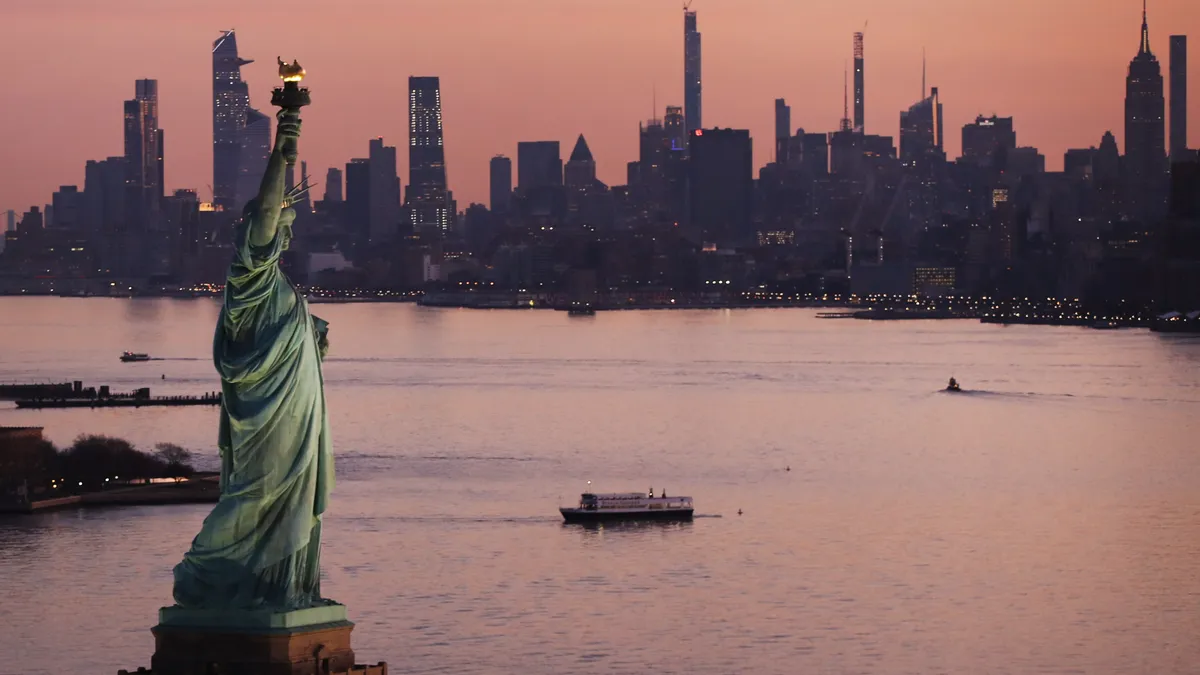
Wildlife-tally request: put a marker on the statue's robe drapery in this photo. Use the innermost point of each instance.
(260, 546)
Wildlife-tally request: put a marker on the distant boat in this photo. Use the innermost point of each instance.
(620, 506)
(1106, 325)
(129, 357)
(953, 385)
(581, 309)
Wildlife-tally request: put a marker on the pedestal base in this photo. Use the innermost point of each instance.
(304, 642)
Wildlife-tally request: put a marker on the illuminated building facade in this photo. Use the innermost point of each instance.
(428, 201)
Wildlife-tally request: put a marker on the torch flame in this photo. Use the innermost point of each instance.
(293, 72)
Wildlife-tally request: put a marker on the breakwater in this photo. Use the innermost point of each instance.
(121, 401)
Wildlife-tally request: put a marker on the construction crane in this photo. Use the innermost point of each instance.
(687, 5)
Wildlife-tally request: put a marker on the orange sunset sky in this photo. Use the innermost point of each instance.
(516, 70)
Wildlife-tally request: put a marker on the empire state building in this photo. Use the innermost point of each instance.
(1145, 165)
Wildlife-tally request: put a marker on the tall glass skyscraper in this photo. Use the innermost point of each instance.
(143, 156)
(239, 150)
(691, 71)
(427, 199)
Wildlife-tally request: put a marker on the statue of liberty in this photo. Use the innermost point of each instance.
(259, 549)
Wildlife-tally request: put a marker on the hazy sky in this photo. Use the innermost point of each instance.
(550, 69)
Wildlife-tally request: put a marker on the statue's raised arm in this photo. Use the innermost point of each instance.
(268, 207)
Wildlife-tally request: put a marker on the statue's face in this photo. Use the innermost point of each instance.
(286, 218)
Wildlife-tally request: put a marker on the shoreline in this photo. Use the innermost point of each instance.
(202, 489)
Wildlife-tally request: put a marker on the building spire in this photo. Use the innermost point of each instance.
(1145, 46)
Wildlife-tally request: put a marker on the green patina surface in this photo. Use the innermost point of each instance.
(259, 549)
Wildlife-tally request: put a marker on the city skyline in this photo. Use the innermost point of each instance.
(355, 102)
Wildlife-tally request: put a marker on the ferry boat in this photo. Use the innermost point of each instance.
(616, 506)
(130, 356)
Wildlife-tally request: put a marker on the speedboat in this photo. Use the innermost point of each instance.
(600, 508)
(953, 385)
(128, 357)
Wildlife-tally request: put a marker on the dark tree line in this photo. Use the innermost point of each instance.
(90, 463)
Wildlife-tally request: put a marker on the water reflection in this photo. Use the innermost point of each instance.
(915, 533)
(631, 527)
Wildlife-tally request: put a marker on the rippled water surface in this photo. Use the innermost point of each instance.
(1046, 521)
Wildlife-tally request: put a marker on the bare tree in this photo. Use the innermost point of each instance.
(172, 454)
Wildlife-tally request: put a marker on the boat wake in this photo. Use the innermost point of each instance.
(984, 393)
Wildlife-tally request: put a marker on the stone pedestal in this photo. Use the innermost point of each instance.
(312, 641)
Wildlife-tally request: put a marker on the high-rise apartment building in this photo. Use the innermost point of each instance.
(988, 140)
(721, 186)
(860, 107)
(384, 193)
(1179, 94)
(333, 185)
(783, 130)
(143, 159)
(358, 200)
(254, 140)
(921, 130)
(691, 72)
(500, 174)
(539, 164)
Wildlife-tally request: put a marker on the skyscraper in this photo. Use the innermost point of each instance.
(659, 176)
(860, 110)
(721, 186)
(539, 164)
(254, 141)
(231, 100)
(383, 194)
(1145, 165)
(1179, 107)
(333, 185)
(143, 161)
(427, 198)
(988, 141)
(921, 136)
(358, 200)
(580, 170)
(241, 134)
(691, 71)
(783, 126)
(67, 204)
(500, 171)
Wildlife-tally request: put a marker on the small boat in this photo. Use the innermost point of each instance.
(953, 385)
(581, 309)
(129, 357)
(623, 506)
(1106, 325)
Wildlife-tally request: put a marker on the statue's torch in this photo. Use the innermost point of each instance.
(291, 97)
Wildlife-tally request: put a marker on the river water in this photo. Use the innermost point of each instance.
(1045, 521)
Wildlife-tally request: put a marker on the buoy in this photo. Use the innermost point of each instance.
(739, 512)
(789, 467)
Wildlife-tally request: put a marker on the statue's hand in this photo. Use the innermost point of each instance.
(287, 133)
